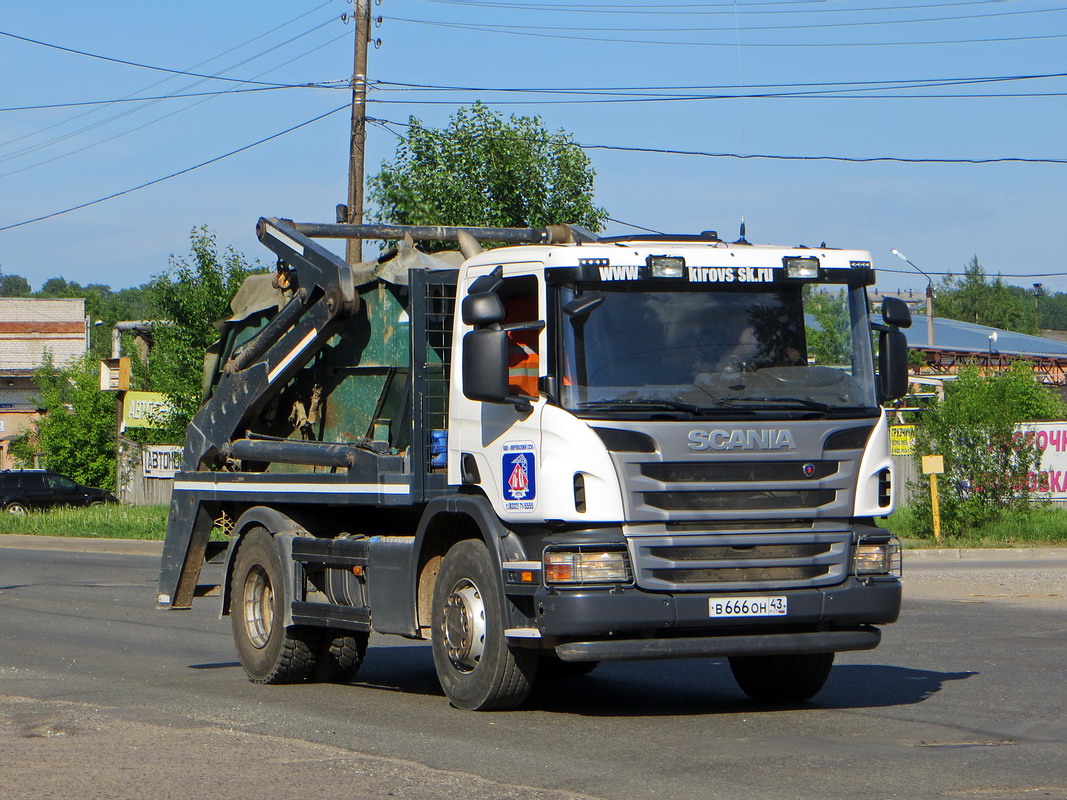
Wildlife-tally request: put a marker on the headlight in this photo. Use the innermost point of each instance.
(876, 557)
(666, 266)
(587, 566)
(801, 266)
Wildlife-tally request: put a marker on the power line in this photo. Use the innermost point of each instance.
(767, 156)
(909, 82)
(136, 64)
(671, 9)
(219, 93)
(609, 40)
(149, 103)
(502, 28)
(175, 174)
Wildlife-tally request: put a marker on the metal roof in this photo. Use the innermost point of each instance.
(957, 336)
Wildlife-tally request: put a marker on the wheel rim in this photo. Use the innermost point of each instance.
(258, 607)
(464, 626)
(16, 509)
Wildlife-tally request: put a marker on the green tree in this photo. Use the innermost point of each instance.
(976, 298)
(14, 286)
(485, 170)
(986, 463)
(76, 431)
(189, 297)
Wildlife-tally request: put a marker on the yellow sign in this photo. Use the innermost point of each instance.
(933, 465)
(144, 409)
(901, 440)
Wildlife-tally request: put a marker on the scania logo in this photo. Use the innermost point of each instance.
(742, 439)
(809, 470)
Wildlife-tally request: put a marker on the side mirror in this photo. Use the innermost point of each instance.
(896, 312)
(893, 364)
(485, 366)
(481, 309)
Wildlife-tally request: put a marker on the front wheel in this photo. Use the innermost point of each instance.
(477, 668)
(268, 651)
(16, 508)
(791, 678)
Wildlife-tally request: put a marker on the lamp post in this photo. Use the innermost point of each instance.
(929, 297)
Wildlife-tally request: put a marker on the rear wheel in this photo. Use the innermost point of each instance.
(16, 508)
(268, 651)
(477, 668)
(791, 678)
(340, 656)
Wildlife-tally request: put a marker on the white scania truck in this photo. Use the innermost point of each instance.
(557, 452)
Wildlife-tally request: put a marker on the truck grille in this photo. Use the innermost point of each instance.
(752, 500)
(744, 561)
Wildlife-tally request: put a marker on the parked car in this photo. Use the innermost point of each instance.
(23, 489)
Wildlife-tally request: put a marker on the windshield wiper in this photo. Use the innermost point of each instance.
(641, 404)
(785, 402)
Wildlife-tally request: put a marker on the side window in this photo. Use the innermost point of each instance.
(33, 482)
(61, 482)
(524, 359)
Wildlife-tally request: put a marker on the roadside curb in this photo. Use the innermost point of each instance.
(972, 554)
(74, 544)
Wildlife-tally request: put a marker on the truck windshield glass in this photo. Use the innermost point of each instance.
(645, 348)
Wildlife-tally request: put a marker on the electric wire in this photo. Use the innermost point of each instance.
(775, 157)
(221, 92)
(134, 63)
(504, 28)
(175, 174)
(672, 9)
(610, 40)
(143, 125)
(127, 112)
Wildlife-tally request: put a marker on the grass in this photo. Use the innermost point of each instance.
(100, 522)
(1043, 527)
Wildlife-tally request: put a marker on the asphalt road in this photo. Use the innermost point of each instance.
(101, 695)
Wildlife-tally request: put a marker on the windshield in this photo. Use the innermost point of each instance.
(711, 352)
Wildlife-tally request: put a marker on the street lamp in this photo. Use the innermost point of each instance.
(929, 297)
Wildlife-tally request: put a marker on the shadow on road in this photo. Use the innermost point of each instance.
(658, 688)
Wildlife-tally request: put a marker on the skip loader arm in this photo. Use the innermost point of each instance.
(323, 300)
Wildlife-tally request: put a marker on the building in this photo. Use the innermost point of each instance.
(29, 328)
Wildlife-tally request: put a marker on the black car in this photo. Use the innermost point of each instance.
(23, 489)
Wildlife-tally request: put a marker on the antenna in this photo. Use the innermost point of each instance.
(742, 239)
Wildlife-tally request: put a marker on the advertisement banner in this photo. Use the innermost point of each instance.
(1050, 478)
(901, 440)
(161, 460)
(143, 409)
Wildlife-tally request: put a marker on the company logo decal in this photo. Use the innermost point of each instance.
(519, 475)
(731, 274)
(809, 470)
(743, 439)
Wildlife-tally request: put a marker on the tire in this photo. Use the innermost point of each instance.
(268, 651)
(96, 504)
(340, 656)
(16, 508)
(554, 667)
(477, 668)
(790, 678)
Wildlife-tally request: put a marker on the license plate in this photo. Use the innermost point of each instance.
(747, 606)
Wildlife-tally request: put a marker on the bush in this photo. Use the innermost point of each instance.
(986, 462)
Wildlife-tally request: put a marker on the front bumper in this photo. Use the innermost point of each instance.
(830, 618)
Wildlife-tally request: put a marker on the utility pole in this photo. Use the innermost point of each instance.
(358, 136)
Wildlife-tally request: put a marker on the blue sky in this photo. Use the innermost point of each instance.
(864, 64)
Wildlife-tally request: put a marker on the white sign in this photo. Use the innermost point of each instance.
(1049, 480)
(161, 460)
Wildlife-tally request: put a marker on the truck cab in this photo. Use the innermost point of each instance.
(551, 455)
